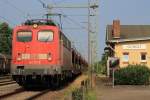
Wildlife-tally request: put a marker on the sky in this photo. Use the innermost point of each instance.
(128, 12)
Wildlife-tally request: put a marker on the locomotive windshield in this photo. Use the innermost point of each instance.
(45, 36)
(24, 36)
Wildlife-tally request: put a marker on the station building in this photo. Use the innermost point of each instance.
(129, 43)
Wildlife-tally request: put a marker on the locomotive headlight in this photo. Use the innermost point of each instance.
(19, 57)
(49, 57)
(35, 25)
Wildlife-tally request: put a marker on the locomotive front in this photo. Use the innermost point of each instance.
(35, 53)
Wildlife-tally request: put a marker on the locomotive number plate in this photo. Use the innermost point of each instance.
(35, 62)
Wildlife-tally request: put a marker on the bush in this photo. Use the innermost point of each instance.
(77, 94)
(100, 69)
(132, 75)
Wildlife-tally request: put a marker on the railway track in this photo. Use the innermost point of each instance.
(9, 90)
(38, 95)
(5, 77)
(60, 94)
(23, 94)
(4, 96)
(48, 94)
(6, 81)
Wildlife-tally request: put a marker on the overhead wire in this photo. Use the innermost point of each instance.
(64, 15)
(7, 20)
(70, 19)
(23, 13)
(67, 18)
(19, 10)
(75, 22)
(43, 4)
(62, 1)
(70, 28)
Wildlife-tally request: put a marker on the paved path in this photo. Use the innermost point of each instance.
(106, 92)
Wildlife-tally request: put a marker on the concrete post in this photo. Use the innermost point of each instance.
(108, 68)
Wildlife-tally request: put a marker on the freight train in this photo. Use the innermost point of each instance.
(41, 53)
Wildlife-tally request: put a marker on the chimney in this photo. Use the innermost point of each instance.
(116, 29)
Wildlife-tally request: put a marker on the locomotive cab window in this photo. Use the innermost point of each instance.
(45, 36)
(24, 36)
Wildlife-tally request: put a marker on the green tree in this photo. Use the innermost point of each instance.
(100, 67)
(104, 59)
(5, 38)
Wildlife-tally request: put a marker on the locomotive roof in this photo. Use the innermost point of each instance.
(40, 22)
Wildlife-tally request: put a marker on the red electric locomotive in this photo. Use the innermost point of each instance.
(41, 53)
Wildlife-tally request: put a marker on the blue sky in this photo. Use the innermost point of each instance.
(128, 11)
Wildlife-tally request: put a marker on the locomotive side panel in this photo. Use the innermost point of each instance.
(67, 59)
(66, 53)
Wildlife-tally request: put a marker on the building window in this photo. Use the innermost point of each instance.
(125, 57)
(143, 57)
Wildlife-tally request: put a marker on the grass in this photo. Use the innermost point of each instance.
(90, 95)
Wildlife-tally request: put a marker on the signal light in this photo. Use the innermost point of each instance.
(114, 62)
